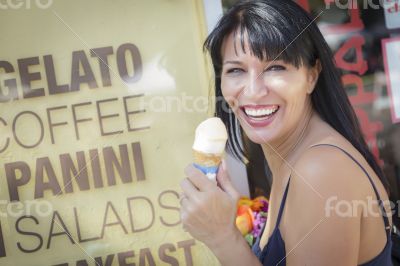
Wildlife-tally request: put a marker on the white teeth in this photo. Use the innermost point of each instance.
(260, 112)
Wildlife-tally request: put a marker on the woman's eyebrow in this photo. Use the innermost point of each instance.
(232, 62)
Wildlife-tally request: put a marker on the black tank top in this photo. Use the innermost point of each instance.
(274, 252)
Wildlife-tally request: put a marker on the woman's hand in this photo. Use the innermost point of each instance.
(208, 211)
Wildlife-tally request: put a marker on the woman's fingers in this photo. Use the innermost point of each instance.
(182, 198)
(206, 210)
(225, 182)
(188, 188)
(198, 179)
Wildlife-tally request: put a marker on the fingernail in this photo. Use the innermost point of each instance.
(223, 164)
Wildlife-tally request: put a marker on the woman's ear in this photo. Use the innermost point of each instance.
(314, 75)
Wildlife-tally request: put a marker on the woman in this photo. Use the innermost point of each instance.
(275, 71)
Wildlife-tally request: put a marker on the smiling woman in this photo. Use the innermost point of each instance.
(245, 80)
(276, 73)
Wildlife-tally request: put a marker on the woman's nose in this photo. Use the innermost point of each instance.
(256, 86)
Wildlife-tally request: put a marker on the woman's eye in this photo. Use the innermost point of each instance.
(275, 68)
(234, 71)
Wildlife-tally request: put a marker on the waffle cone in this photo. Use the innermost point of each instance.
(205, 159)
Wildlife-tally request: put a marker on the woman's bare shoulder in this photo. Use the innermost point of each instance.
(322, 175)
(330, 169)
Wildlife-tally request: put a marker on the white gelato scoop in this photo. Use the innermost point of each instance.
(210, 137)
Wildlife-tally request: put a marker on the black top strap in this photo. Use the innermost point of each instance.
(382, 209)
(282, 204)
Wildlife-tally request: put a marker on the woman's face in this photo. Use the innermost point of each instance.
(268, 98)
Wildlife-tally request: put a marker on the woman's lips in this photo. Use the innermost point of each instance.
(259, 115)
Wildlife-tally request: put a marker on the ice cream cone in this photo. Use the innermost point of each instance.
(207, 163)
(209, 146)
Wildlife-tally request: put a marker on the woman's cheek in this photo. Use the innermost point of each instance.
(228, 94)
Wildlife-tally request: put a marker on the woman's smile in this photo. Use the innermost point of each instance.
(259, 115)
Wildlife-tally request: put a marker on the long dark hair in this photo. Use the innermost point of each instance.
(281, 29)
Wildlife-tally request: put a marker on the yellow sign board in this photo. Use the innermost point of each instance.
(98, 103)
